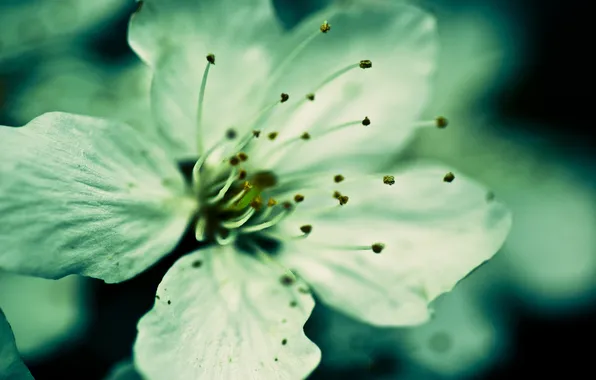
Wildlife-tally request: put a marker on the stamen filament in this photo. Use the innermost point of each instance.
(200, 108)
(280, 69)
(270, 223)
(235, 198)
(225, 240)
(200, 229)
(239, 221)
(325, 82)
(222, 192)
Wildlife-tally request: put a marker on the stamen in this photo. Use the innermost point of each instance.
(272, 136)
(343, 199)
(389, 180)
(280, 69)
(305, 136)
(270, 223)
(234, 160)
(232, 224)
(236, 198)
(272, 202)
(201, 229)
(242, 156)
(242, 175)
(222, 192)
(298, 198)
(257, 121)
(326, 81)
(284, 97)
(325, 27)
(225, 237)
(307, 229)
(365, 64)
(338, 178)
(438, 122)
(366, 121)
(378, 247)
(449, 177)
(257, 203)
(210, 61)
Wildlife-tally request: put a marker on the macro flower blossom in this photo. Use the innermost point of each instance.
(271, 150)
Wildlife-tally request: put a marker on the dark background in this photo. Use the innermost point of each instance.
(551, 93)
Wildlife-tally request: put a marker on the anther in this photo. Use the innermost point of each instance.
(449, 177)
(257, 203)
(336, 194)
(287, 205)
(231, 134)
(310, 97)
(234, 161)
(365, 64)
(307, 229)
(298, 198)
(366, 121)
(272, 136)
(287, 280)
(378, 247)
(343, 199)
(256, 133)
(442, 122)
(389, 180)
(242, 156)
(338, 178)
(246, 185)
(242, 175)
(284, 97)
(271, 202)
(211, 58)
(305, 136)
(325, 27)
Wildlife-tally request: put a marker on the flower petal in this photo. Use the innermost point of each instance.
(87, 196)
(400, 41)
(11, 365)
(434, 233)
(174, 38)
(222, 314)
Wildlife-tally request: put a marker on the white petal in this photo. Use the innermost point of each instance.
(434, 233)
(399, 39)
(174, 38)
(222, 314)
(45, 314)
(87, 196)
(11, 365)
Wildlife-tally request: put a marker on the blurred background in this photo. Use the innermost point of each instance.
(515, 80)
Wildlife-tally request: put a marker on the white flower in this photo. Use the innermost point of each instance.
(285, 190)
(11, 365)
